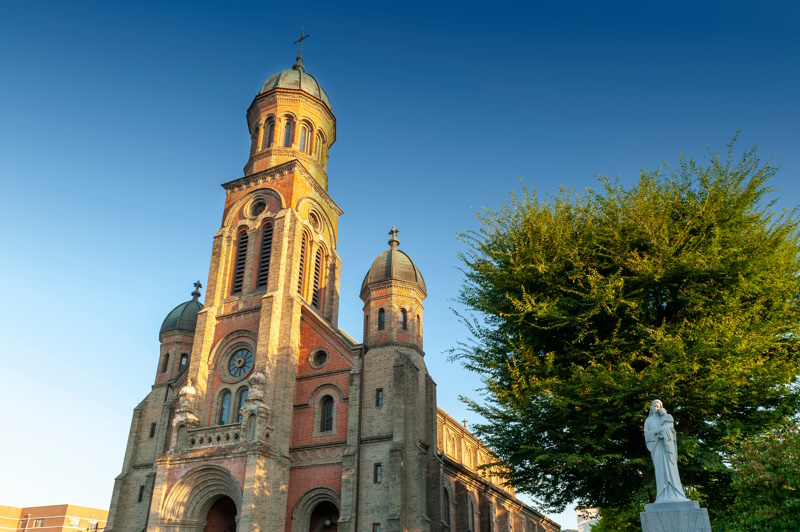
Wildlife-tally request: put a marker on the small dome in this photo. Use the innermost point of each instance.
(184, 316)
(394, 264)
(297, 79)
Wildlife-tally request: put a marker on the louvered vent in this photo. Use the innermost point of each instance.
(266, 252)
(302, 267)
(317, 275)
(238, 269)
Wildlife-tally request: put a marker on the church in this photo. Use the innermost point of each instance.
(263, 414)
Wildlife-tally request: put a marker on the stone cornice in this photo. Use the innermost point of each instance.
(289, 152)
(393, 283)
(273, 173)
(415, 347)
(291, 95)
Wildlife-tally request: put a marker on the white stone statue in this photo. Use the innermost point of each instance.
(661, 439)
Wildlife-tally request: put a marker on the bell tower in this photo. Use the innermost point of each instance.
(273, 264)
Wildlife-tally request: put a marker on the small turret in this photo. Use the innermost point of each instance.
(176, 337)
(393, 291)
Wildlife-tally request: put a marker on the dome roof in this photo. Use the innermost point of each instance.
(297, 79)
(394, 264)
(184, 316)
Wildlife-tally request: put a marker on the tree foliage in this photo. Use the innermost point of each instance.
(766, 482)
(584, 307)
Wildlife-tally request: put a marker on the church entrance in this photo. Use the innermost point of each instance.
(221, 516)
(324, 517)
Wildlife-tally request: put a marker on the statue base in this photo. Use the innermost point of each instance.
(677, 516)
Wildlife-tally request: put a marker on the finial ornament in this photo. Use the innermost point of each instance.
(197, 287)
(393, 242)
(661, 440)
(298, 65)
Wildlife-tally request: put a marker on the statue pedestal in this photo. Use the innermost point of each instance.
(683, 516)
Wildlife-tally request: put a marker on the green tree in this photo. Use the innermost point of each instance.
(766, 482)
(585, 307)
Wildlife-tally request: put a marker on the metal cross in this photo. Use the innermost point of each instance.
(394, 232)
(302, 38)
(197, 285)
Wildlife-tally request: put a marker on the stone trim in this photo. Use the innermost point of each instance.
(322, 326)
(321, 374)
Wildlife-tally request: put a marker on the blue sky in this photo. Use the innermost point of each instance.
(119, 120)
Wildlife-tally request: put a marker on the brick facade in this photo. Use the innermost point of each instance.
(310, 443)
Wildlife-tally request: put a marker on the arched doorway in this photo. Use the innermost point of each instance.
(324, 517)
(317, 511)
(221, 516)
(209, 495)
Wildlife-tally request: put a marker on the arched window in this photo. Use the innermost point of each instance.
(471, 515)
(318, 147)
(266, 252)
(381, 320)
(317, 295)
(238, 267)
(270, 136)
(446, 509)
(326, 419)
(224, 407)
(366, 324)
(302, 266)
(419, 326)
(288, 136)
(242, 396)
(404, 319)
(165, 364)
(490, 517)
(305, 140)
(184, 362)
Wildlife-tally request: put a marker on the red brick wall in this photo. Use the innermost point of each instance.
(335, 371)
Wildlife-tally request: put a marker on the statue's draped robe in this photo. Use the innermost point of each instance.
(664, 451)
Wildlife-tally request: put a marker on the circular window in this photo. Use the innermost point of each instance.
(241, 363)
(320, 357)
(314, 221)
(258, 207)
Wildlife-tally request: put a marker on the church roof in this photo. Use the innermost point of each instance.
(296, 78)
(394, 264)
(184, 316)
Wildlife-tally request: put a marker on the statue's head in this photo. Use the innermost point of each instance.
(657, 407)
